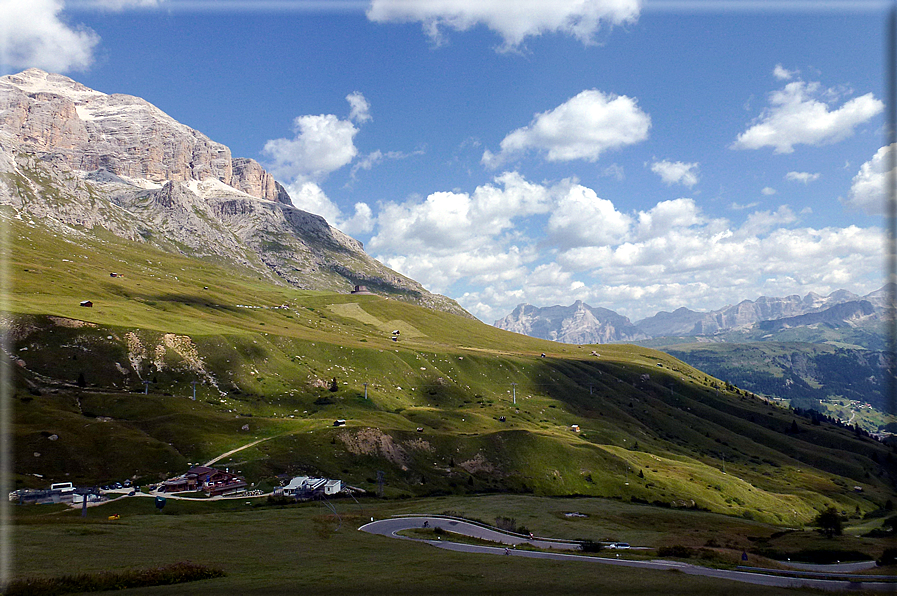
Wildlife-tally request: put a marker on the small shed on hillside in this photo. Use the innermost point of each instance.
(87, 303)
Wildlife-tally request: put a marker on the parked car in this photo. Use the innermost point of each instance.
(620, 545)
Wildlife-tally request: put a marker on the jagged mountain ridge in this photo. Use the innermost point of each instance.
(742, 315)
(766, 314)
(575, 324)
(74, 160)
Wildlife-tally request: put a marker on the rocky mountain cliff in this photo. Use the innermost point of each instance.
(78, 160)
(581, 323)
(64, 122)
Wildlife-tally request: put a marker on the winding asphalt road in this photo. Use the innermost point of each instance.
(390, 528)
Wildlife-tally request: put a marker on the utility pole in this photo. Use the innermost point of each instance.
(514, 389)
(365, 390)
(194, 389)
(146, 385)
(380, 477)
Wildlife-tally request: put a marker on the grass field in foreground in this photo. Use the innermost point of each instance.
(269, 550)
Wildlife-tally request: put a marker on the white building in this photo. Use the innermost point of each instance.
(305, 486)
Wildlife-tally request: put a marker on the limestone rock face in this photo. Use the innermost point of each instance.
(250, 177)
(65, 122)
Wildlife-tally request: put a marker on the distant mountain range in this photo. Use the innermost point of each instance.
(840, 316)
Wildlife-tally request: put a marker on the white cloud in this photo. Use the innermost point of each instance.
(760, 222)
(796, 116)
(459, 222)
(308, 196)
(117, 5)
(361, 109)
(666, 216)
(867, 191)
(676, 172)
(373, 158)
(805, 177)
(583, 127)
(32, 34)
(580, 218)
(494, 248)
(768, 190)
(513, 21)
(361, 221)
(322, 145)
(740, 207)
(36, 34)
(784, 74)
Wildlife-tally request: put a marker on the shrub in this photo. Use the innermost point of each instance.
(176, 573)
(677, 550)
(888, 557)
(508, 524)
(829, 522)
(590, 546)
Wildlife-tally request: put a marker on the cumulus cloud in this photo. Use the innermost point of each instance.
(761, 222)
(784, 74)
(805, 177)
(513, 21)
(494, 248)
(323, 144)
(308, 196)
(32, 34)
(768, 190)
(583, 127)
(37, 34)
(360, 108)
(867, 191)
(676, 172)
(456, 221)
(801, 113)
(581, 218)
(666, 216)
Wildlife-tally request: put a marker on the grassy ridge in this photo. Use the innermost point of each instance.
(653, 429)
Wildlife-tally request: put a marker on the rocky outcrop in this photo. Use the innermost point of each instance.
(250, 177)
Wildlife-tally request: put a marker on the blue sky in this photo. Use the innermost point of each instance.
(637, 156)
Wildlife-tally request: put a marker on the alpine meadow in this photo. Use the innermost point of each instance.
(270, 373)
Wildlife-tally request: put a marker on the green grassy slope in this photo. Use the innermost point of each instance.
(439, 416)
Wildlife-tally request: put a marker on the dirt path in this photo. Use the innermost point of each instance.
(232, 451)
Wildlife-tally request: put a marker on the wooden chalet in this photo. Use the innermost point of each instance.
(211, 481)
